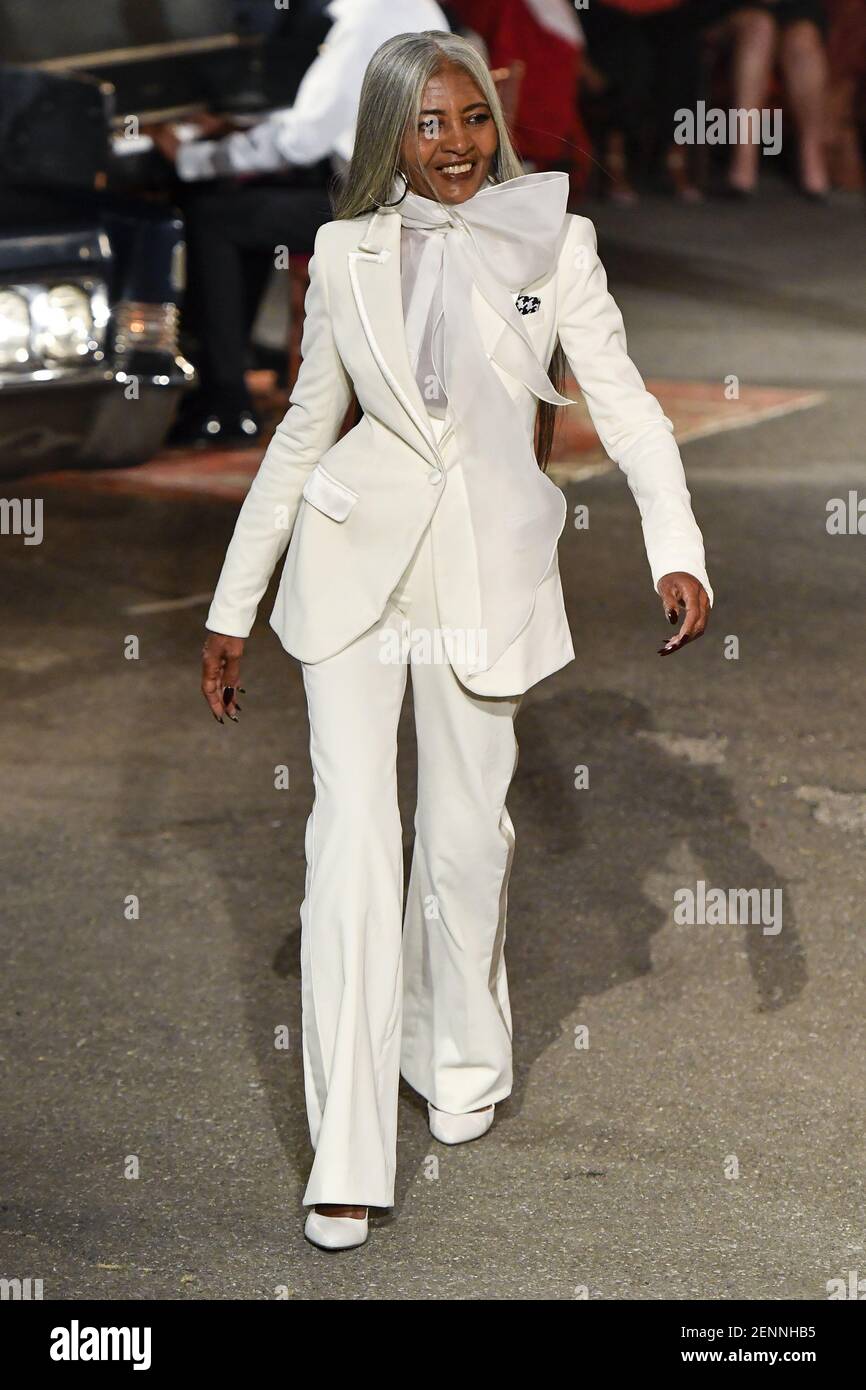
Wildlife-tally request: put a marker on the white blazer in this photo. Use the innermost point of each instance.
(354, 509)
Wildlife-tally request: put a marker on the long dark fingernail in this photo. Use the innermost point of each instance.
(218, 717)
(228, 692)
(241, 689)
(234, 718)
(238, 707)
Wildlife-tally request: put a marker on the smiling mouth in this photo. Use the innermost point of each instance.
(457, 171)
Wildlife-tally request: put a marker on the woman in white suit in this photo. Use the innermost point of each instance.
(425, 538)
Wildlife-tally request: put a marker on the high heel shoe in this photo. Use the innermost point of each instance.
(459, 1129)
(335, 1232)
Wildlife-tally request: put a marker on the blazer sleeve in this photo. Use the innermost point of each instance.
(311, 425)
(628, 419)
(325, 108)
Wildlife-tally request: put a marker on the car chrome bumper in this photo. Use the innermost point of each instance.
(86, 417)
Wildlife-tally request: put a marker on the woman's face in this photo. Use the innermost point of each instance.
(455, 141)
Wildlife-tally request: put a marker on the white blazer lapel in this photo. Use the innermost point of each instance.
(374, 273)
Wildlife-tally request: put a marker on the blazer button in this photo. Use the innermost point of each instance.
(435, 475)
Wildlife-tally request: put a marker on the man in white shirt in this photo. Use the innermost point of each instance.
(321, 122)
(295, 144)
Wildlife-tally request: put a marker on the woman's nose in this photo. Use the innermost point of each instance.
(454, 145)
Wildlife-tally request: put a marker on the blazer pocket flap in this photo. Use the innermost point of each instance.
(328, 495)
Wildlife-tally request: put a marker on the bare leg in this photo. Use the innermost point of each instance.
(754, 46)
(804, 66)
(620, 188)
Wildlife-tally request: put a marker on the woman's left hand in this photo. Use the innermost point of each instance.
(683, 591)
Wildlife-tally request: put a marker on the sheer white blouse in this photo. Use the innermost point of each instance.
(422, 315)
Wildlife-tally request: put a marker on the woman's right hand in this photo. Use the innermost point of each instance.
(220, 673)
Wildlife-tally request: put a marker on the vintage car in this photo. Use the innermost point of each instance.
(91, 246)
(89, 323)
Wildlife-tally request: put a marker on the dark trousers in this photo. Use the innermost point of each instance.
(233, 232)
(650, 63)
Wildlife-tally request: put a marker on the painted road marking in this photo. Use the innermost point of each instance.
(697, 409)
(168, 605)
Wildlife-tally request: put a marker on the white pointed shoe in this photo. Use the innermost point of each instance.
(459, 1129)
(335, 1232)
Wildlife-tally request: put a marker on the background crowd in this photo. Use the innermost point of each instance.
(591, 89)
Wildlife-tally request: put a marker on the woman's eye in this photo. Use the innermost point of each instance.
(431, 128)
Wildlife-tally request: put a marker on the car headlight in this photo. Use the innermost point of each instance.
(14, 328)
(63, 323)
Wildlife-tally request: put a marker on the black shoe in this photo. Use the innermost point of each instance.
(215, 429)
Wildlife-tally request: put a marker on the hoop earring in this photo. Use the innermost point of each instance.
(402, 195)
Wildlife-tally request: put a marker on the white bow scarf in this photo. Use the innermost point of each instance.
(501, 240)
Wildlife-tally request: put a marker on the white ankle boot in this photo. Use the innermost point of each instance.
(335, 1232)
(459, 1129)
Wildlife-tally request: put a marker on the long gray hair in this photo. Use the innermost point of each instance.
(390, 104)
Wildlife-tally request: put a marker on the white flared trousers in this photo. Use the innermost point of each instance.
(423, 993)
